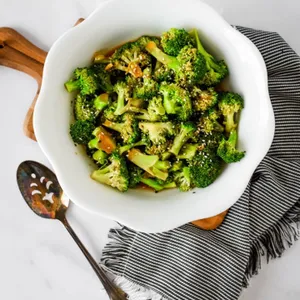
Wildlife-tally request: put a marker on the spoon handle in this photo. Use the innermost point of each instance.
(113, 292)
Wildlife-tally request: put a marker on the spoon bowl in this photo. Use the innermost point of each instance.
(41, 190)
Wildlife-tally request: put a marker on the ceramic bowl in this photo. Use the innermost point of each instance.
(113, 23)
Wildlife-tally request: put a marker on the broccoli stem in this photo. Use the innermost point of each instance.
(120, 103)
(183, 136)
(152, 183)
(100, 157)
(126, 148)
(143, 161)
(232, 140)
(156, 186)
(163, 165)
(72, 85)
(113, 125)
(208, 57)
(229, 122)
(168, 60)
(101, 102)
(147, 163)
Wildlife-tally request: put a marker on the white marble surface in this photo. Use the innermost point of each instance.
(38, 259)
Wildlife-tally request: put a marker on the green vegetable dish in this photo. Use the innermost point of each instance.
(153, 113)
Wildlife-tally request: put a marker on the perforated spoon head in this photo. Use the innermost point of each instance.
(41, 190)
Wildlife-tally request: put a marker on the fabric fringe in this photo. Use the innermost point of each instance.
(114, 258)
(272, 243)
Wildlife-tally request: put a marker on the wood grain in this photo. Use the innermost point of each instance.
(18, 53)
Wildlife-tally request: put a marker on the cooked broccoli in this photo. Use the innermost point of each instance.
(163, 123)
(82, 131)
(203, 100)
(186, 132)
(84, 80)
(100, 157)
(135, 175)
(148, 88)
(102, 140)
(188, 151)
(149, 163)
(155, 111)
(229, 105)
(189, 66)
(209, 121)
(177, 166)
(116, 174)
(158, 132)
(216, 70)
(103, 77)
(130, 58)
(143, 142)
(174, 40)
(205, 167)
(123, 91)
(145, 39)
(163, 73)
(227, 149)
(88, 107)
(101, 102)
(129, 128)
(157, 185)
(183, 179)
(176, 101)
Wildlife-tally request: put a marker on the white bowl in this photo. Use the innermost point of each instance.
(111, 24)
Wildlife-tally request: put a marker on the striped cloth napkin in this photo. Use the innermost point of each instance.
(188, 263)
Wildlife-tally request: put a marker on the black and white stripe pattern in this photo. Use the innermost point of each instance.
(191, 264)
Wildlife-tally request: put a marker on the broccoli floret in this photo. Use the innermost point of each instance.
(130, 58)
(100, 157)
(144, 40)
(186, 132)
(115, 175)
(149, 163)
(103, 77)
(83, 108)
(188, 151)
(229, 105)
(227, 149)
(82, 131)
(203, 100)
(88, 107)
(135, 175)
(163, 73)
(176, 101)
(205, 167)
(216, 70)
(123, 91)
(209, 121)
(189, 66)
(174, 40)
(183, 179)
(158, 132)
(155, 111)
(129, 128)
(84, 80)
(143, 142)
(148, 88)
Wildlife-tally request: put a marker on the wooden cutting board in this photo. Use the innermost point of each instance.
(18, 53)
